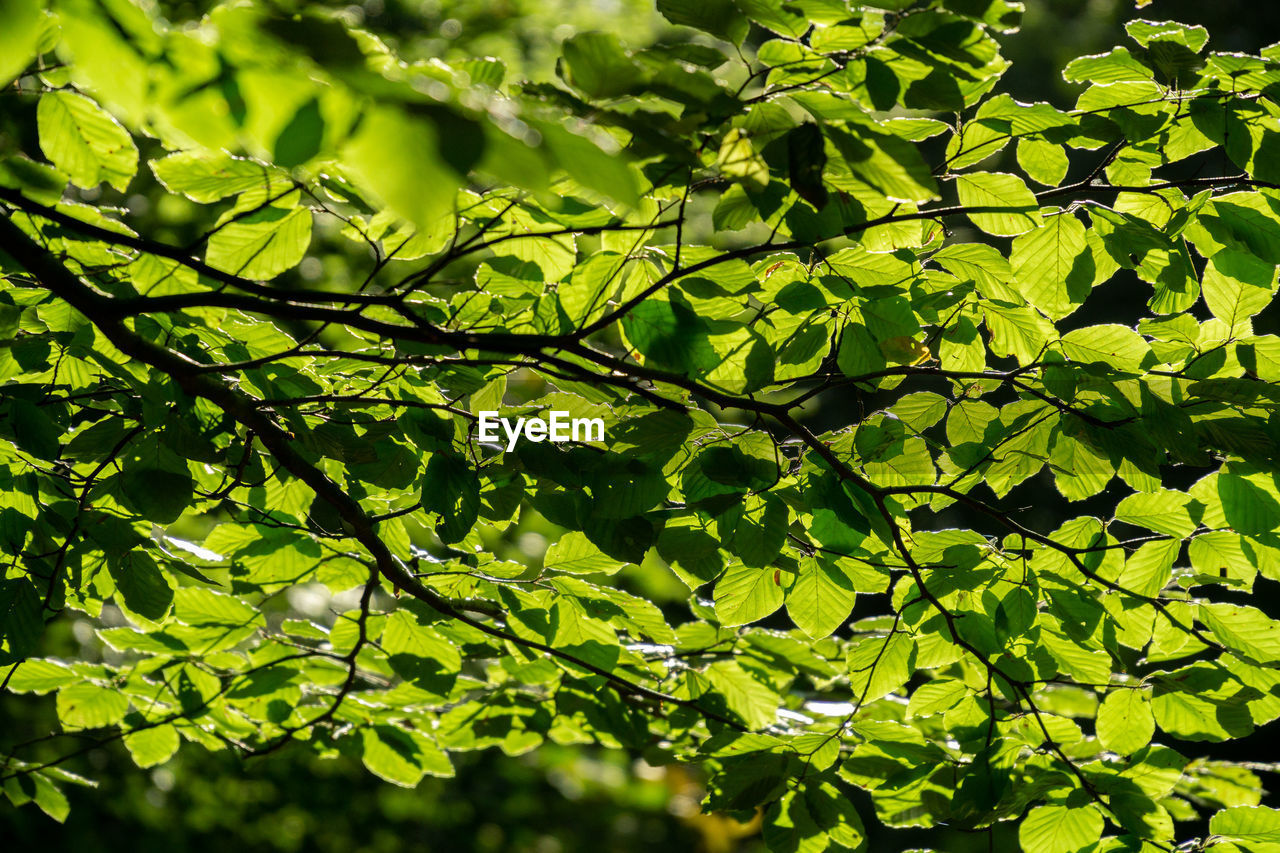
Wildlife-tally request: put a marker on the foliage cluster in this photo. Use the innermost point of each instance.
(830, 342)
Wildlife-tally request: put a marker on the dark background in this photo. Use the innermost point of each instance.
(558, 800)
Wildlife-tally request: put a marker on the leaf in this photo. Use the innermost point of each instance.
(420, 654)
(159, 494)
(19, 38)
(33, 430)
(746, 594)
(718, 17)
(1126, 721)
(879, 665)
(1147, 570)
(999, 203)
(1043, 161)
(590, 165)
(1163, 511)
(671, 335)
(1237, 286)
(262, 244)
(142, 586)
(1060, 829)
(1118, 347)
(1019, 332)
(596, 65)
(759, 527)
(206, 177)
(575, 554)
(301, 139)
(400, 757)
(805, 161)
(86, 705)
(1223, 554)
(1053, 265)
(1243, 629)
(151, 746)
(50, 799)
(738, 160)
(83, 140)
(21, 617)
(40, 676)
(451, 489)
(1146, 32)
(820, 599)
(743, 693)
(196, 606)
(1247, 507)
(936, 697)
(386, 158)
(1247, 824)
(887, 162)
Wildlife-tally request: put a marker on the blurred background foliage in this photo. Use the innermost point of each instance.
(553, 800)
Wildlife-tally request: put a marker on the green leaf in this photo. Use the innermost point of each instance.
(739, 161)
(887, 162)
(880, 665)
(159, 494)
(206, 177)
(143, 587)
(50, 799)
(302, 138)
(1019, 332)
(451, 489)
(1126, 721)
(1243, 629)
(1247, 824)
(1247, 507)
(402, 758)
(19, 38)
(671, 335)
(820, 598)
(1117, 65)
(575, 554)
(596, 65)
(1044, 162)
(1147, 570)
(1237, 286)
(1163, 511)
(1146, 32)
(21, 622)
(1060, 829)
(420, 653)
(805, 161)
(1118, 347)
(196, 606)
(718, 17)
(759, 527)
(590, 165)
(1224, 554)
(746, 594)
(86, 705)
(262, 244)
(999, 203)
(386, 157)
(1053, 265)
(85, 141)
(33, 430)
(151, 746)
(40, 676)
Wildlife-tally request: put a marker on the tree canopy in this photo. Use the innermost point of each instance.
(841, 304)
